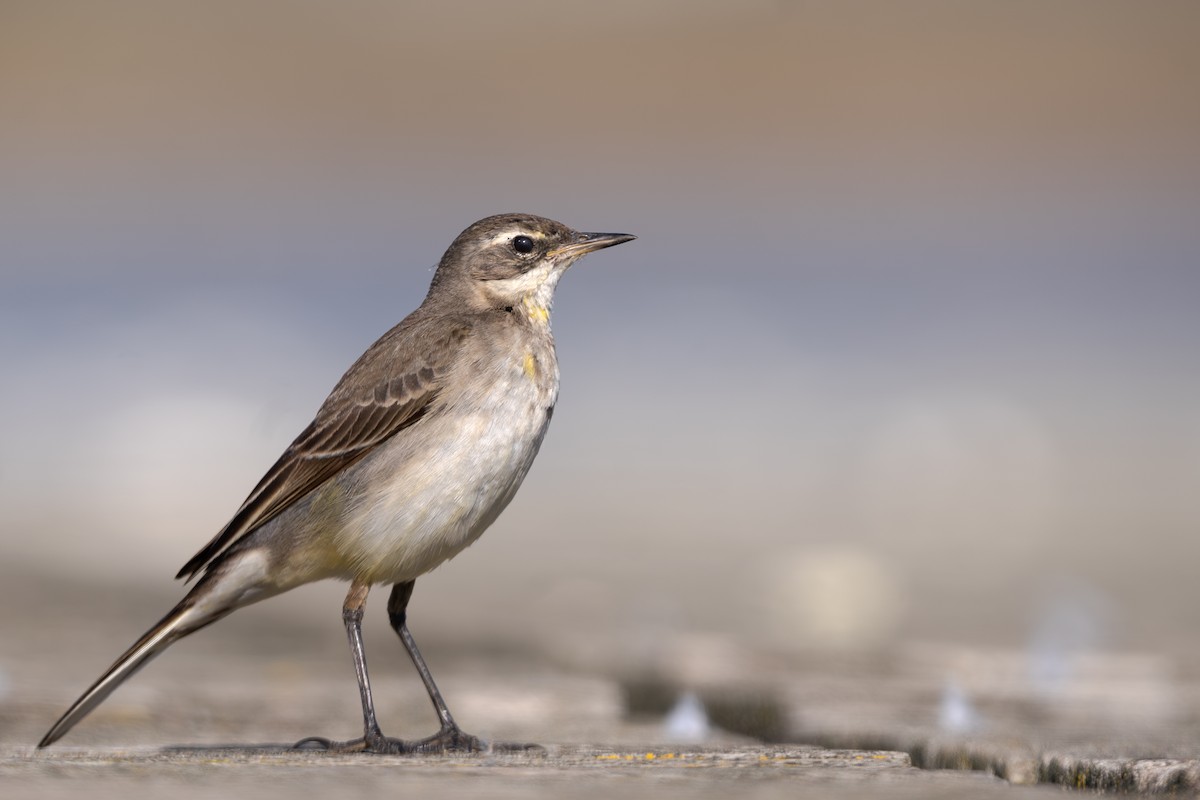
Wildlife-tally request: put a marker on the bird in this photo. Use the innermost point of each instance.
(416, 451)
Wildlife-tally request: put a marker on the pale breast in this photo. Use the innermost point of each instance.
(437, 486)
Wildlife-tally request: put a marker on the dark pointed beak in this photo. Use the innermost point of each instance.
(587, 242)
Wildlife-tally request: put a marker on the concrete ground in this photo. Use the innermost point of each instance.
(206, 719)
(559, 772)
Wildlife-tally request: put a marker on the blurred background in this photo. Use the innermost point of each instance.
(904, 358)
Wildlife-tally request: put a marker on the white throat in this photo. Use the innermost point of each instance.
(535, 291)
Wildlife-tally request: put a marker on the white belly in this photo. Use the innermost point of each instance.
(437, 486)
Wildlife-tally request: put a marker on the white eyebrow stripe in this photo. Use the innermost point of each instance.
(510, 234)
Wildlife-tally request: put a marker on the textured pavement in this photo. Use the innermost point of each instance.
(193, 723)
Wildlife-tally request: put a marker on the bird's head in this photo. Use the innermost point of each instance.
(515, 260)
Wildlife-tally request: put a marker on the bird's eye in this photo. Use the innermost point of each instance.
(523, 245)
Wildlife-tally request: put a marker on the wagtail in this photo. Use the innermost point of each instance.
(416, 451)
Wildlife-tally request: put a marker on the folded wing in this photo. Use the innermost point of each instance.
(361, 413)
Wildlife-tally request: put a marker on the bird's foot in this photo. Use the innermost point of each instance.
(450, 739)
(453, 739)
(375, 743)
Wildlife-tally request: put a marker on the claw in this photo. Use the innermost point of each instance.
(313, 743)
(373, 744)
(450, 739)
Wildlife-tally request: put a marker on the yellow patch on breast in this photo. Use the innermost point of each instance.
(530, 365)
(536, 312)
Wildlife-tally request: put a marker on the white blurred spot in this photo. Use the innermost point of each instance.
(1070, 625)
(687, 721)
(955, 713)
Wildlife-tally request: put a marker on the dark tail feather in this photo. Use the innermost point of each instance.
(185, 618)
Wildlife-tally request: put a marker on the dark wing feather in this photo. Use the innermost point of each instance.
(388, 389)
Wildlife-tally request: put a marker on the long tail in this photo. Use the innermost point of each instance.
(173, 627)
(235, 583)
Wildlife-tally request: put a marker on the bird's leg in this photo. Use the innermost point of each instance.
(373, 740)
(450, 736)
